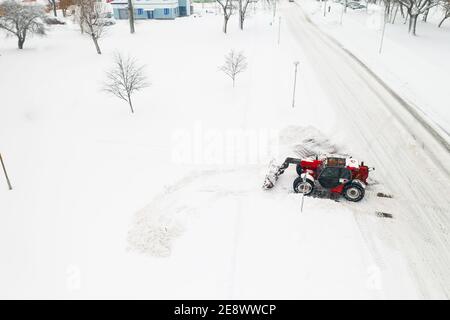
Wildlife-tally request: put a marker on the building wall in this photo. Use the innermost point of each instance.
(161, 9)
(185, 7)
(166, 13)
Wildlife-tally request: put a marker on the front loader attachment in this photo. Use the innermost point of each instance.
(276, 170)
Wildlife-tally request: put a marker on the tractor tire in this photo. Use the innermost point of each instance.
(300, 185)
(353, 192)
(299, 169)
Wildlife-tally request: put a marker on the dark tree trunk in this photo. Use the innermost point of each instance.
(401, 10)
(54, 9)
(97, 47)
(5, 172)
(425, 15)
(20, 43)
(413, 24)
(395, 15)
(442, 21)
(241, 14)
(130, 103)
(225, 23)
(131, 15)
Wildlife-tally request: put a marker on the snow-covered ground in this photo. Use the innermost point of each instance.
(159, 204)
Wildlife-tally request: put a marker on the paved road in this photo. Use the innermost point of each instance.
(411, 161)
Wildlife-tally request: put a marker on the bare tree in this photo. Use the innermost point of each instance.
(416, 8)
(21, 20)
(243, 5)
(227, 11)
(53, 5)
(235, 63)
(446, 7)
(125, 78)
(91, 17)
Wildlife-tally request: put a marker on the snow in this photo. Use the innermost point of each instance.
(104, 206)
(417, 68)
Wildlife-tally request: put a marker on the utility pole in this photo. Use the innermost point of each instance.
(274, 10)
(295, 83)
(131, 15)
(6, 174)
(279, 30)
(344, 9)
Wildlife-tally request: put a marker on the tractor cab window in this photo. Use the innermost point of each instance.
(336, 162)
(330, 172)
(330, 176)
(346, 174)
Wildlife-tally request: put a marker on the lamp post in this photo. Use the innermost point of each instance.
(382, 34)
(303, 193)
(296, 63)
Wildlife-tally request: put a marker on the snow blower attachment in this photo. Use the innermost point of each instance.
(345, 176)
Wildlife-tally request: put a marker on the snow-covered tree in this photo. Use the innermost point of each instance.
(125, 78)
(227, 11)
(416, 8)
(235, 63)
(91, 17)
(21, 20)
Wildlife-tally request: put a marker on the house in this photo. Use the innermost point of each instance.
(152, 9)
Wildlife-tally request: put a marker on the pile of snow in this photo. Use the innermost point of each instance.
(304, 142)
(153, 234)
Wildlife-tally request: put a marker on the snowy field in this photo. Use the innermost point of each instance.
(158, 204)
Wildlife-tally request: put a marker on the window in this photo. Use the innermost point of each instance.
(330, 172)
(166, 11)
(140, 11)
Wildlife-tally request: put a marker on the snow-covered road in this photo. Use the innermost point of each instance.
(412, 163)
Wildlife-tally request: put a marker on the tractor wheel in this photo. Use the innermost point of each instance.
(354, 192)
(303, 186)
(299, 169)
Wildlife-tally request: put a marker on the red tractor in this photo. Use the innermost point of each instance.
(343, 176)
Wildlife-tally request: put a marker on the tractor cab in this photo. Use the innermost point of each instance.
(333, 172)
